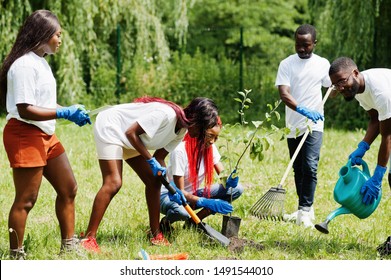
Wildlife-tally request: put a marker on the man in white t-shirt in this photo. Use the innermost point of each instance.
(372, 89)
(300, 78)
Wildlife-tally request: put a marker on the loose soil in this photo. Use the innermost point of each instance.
(237, 245)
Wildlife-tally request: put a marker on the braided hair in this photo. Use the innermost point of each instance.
(37, 30)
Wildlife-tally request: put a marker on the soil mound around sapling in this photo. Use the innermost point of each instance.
(237, 245)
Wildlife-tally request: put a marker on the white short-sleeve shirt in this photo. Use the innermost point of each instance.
(30, 80)
(305, 77)
(179, 166)
(157, 119)
(377, 93)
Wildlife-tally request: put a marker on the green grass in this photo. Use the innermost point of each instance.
(123, 229)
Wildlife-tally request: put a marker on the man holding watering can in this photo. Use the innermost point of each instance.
(372, 89)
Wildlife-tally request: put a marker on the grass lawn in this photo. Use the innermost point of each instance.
(123, 230)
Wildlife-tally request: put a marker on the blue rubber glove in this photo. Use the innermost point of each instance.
(233, 180)
(75, 113)
(178, 197)
(215, 205)
(157, 169)
(311, 114)
(84, 121)
(371, 188)
(356, 156)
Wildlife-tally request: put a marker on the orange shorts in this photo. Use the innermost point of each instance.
(28, 146)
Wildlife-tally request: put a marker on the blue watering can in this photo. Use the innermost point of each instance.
(347, 193)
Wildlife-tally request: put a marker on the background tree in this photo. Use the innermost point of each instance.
(179, 49)
(210, 56)
(86, 65)
(360, 30)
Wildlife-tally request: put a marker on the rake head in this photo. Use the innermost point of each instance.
(270, 205)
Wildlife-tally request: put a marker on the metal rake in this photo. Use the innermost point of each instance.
(271, 204)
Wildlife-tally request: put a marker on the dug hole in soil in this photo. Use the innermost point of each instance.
(237, 244)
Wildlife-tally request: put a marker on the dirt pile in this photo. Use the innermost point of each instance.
(237, 245)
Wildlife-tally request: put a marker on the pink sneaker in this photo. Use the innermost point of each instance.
(159, 240)
(89, 243)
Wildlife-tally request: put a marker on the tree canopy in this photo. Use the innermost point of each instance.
(179, 49)
(358, 29)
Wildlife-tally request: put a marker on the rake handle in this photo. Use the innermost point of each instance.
(301, 143)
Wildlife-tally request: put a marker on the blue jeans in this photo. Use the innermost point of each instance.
(305, 167)
(175, 212)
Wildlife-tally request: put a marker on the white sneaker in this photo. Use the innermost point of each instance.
(290, 217)
(312, 214)
(293, 216)
(18, 254)
(304, 218)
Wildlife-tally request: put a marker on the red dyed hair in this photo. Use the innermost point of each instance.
(196, 150)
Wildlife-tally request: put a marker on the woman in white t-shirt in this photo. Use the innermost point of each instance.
(127, 132)
(28, 88)
(192, 164)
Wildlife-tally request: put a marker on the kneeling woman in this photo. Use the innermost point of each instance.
(192, 163)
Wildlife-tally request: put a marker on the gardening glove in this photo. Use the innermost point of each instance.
(157, 169)
(311, 114)
(215, 205)
(371, 188)
(233, 180)
(356, 156)
(75, 113)
(178, 197)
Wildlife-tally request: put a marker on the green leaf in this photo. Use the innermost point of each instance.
(277, 115)
(223, 158)
(256, 150)
(269, 141)
(274, 128)
(249, 134)
(238, 100)
(242, 94)
(259, 146)
(260, 156)
(253, 155)
(257, 123)
(267, 144)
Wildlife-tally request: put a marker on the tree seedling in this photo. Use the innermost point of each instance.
(255, 140)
